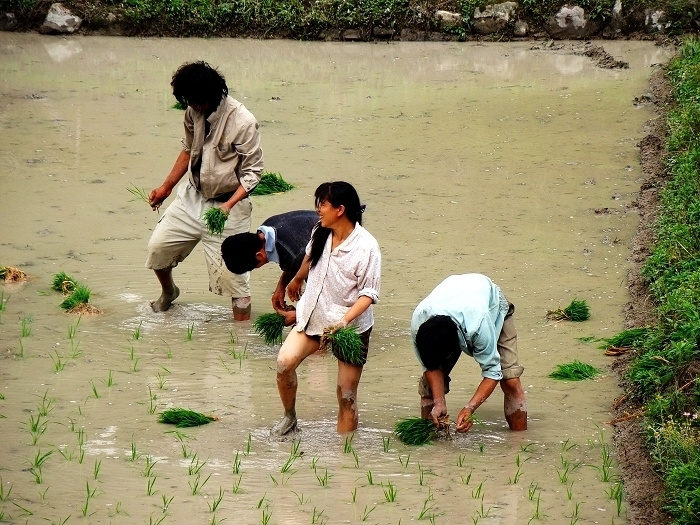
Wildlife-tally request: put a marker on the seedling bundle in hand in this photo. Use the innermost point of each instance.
(575, 371)
(215, 218)
(344, 343)
(576, 311)
(183, 417)
(270, 327)
(418, 431)
(271, 183)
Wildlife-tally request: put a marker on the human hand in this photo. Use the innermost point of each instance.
(464, 419)
(278, 302)
(157, 196)
(294, 289)
(226, 207)
(439, 410)
(337, 326)
(290, 316)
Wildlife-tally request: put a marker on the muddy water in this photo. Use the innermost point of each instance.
(470, 158)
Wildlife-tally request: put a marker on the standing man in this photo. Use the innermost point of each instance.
(281, 239)
(468, 314)
(221, 150)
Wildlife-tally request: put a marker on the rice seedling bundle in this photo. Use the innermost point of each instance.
(63, 283)
(215, 218)
(345, 344)
(271, 183)
(623, 341)
(418, 431)
(576, 311)
(138, 193)
(183, 417)
(10, 274)
(575, 371)
(269, 327)
(80, 295)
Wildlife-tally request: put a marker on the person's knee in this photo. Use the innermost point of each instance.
(347, 396)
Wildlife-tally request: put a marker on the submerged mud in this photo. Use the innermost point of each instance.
(470, 158)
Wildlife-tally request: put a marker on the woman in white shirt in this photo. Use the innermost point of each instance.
(342, 269)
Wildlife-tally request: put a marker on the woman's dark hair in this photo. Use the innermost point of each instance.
(338, 193)
(238, 252)
(198, 83)
(436, 340)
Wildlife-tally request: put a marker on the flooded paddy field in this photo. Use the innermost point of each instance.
(514, 162)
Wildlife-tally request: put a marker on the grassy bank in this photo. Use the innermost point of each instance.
(664, 375)
(310, 20)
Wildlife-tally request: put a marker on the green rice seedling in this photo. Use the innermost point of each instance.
(390, 493)
(345, 344)
(152, 404)
(25, 511)
(236, 466)
(415, 431)
(575, 371)
(466, 479)
(156, 521)
(90, 494)
(36, 427)
(532, 490)
(109, 382)
(356, 458)
(317, 517)
(137, 332)
(161, 380)
(149, 486)
(353, 495)
(75, 351)
(270, 183)
(518, 472)
(135, 364)
(197, 485)
(26, 326)
(47, 404)
(42, 495)
(215, 219)
(576, 311)
(96, 468)
(314, 461)
(575, 514)
(370, 477)
(94, 390)
(138, 193)
(166, 501)
(64, 283)
(148, 469)
(4, 494)
(570, 491)
(477, 493)
(58, 364)
(21, 349)
(195, 466)
(73, 329)
(134, 454)
(301, 498)
(428, 505)
(183, 417)
(347, 447)
(624, 341)
(79, 296)
(404, 464)
(460, 460)
(263, 502)
(482, 512)
(566, 446)
(190, 332)
(386, 442)
(616, 493)
(322, 479)
(236, 489)
(249, 444)
(266, 516)
(216, 501)
(270, 327)
(367, 512)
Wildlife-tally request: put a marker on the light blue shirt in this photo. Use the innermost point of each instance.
(477, 306)
(270, 243)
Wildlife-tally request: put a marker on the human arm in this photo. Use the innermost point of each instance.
(162, 192)
(237, 196)
(278, 302)
(483, 391)
(363, 302)
(294, 286)
(436, 381)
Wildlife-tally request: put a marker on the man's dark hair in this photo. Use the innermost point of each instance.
(436, 340)
(238, 251)
(198, 83)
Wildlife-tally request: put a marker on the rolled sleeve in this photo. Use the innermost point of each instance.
(371, 279)
(189, 131)
(247, 145)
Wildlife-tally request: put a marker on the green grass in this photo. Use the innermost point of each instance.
(80, 295)
(182, 417)
(64, 283)
(138, 193)
(577, 310)
(270, 327)
(415, 431)
(271, 183)
(575, 371)
(215, 219)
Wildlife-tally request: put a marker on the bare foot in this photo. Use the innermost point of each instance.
(286, 425)
(165, 300)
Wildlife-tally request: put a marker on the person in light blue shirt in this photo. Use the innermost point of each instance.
(468, 314)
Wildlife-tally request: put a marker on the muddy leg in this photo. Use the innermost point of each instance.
(169, 292)
(514, 403)
(241, 308)
(346, 391)
(426, 406)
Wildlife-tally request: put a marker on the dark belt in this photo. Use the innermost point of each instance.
(224, 196)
